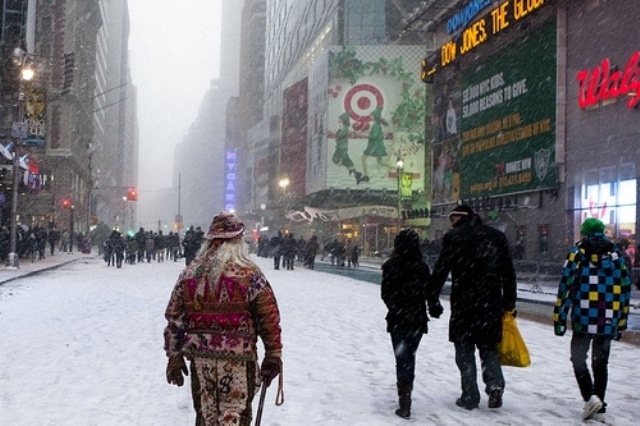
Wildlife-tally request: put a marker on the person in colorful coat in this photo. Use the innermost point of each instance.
(220, 305)
(595, 288)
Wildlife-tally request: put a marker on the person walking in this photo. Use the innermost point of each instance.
(404, 290)
(595, 289)
(483, 286)
(220, 305)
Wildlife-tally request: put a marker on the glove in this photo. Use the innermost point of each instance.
(435, 310)
(560, 329)
(175, 368)
(271, 367)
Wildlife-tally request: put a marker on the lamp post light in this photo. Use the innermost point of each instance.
(71, 231)
(400, 165)
(18, 132)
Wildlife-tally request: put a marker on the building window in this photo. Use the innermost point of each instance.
(609, 194)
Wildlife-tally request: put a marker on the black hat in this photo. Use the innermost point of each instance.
(462, 210)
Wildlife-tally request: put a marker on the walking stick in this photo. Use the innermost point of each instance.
(263, 394)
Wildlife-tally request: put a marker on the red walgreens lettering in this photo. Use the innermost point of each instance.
(602, 84)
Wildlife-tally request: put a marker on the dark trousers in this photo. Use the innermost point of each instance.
(491, 369)
(405, 345)
(276, 261)
(600, 348)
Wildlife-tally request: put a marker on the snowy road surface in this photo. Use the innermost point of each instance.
(82, 345)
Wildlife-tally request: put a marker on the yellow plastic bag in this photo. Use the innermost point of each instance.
(512, 350)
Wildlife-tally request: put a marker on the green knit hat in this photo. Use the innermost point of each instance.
(344, 117)
(591, 226)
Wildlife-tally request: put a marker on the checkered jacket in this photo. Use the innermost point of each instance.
(595, 287)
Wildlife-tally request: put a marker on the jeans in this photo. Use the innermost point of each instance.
(600, 348)
(491, 369)
(405, 344)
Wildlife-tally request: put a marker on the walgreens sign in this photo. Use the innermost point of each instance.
(608, 82)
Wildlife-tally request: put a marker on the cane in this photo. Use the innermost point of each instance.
(263, 394)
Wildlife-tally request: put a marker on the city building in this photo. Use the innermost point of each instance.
(323, 59)
(78, 149)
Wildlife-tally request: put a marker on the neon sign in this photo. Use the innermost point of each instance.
(462, 18)
(482, 30)
(606, 82)
(230, 186)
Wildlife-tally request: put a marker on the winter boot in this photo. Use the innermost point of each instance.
(358, 177)
(404, 398)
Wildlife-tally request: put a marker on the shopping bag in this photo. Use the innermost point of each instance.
(512, 350)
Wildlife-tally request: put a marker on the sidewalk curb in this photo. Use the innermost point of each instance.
(37, 271)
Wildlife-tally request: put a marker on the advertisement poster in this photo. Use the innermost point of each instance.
(376, 108)
(294, 136)
(507, 120)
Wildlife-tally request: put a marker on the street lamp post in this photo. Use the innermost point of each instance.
(400, 165)
(71, 223)
(18, 132)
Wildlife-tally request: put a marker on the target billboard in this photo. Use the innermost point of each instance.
(374, 117)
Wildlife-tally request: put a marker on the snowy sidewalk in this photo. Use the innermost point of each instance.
(28, 268)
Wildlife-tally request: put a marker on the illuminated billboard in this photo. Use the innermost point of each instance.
(375, 117)
(505, 113)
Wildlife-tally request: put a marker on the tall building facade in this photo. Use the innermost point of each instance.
(79, 123)
(201, 167)
(323, 59)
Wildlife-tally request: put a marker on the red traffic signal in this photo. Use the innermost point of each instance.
(66, 203)
(132, 195)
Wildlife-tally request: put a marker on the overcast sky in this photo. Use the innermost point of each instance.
(174, 49)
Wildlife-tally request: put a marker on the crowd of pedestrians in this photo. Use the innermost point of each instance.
(35, 243)
(151, 246)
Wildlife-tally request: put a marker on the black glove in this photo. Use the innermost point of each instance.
(271, 367)
(175, 368)
(435, 310)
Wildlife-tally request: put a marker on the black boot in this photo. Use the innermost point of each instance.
(404, 398)
(358, 177)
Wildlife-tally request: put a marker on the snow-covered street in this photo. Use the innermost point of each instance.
(82, 345)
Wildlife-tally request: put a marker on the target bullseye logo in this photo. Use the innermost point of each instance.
(361, 100)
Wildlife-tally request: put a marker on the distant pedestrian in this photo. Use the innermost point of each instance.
(404, 290)
(595, 290)
(483, 286)
(53, 238)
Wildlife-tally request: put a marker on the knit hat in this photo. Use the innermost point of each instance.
(377, 113)
(462, 210)
(225, 226)
(591, 226)
(344, 117)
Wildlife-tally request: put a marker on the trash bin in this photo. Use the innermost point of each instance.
(86, 245)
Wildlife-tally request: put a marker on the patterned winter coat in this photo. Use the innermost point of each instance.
(222, 320)
(595, 287)
(483, 280)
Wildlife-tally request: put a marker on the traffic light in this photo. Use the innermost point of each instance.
(132, 195)
(66, 203)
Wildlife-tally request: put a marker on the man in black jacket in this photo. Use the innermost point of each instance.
(483, 287)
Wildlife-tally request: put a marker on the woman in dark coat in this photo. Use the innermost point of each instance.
(404, 289)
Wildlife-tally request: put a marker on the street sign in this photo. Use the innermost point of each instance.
(19, 129)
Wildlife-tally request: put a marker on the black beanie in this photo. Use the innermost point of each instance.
(462, 210)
